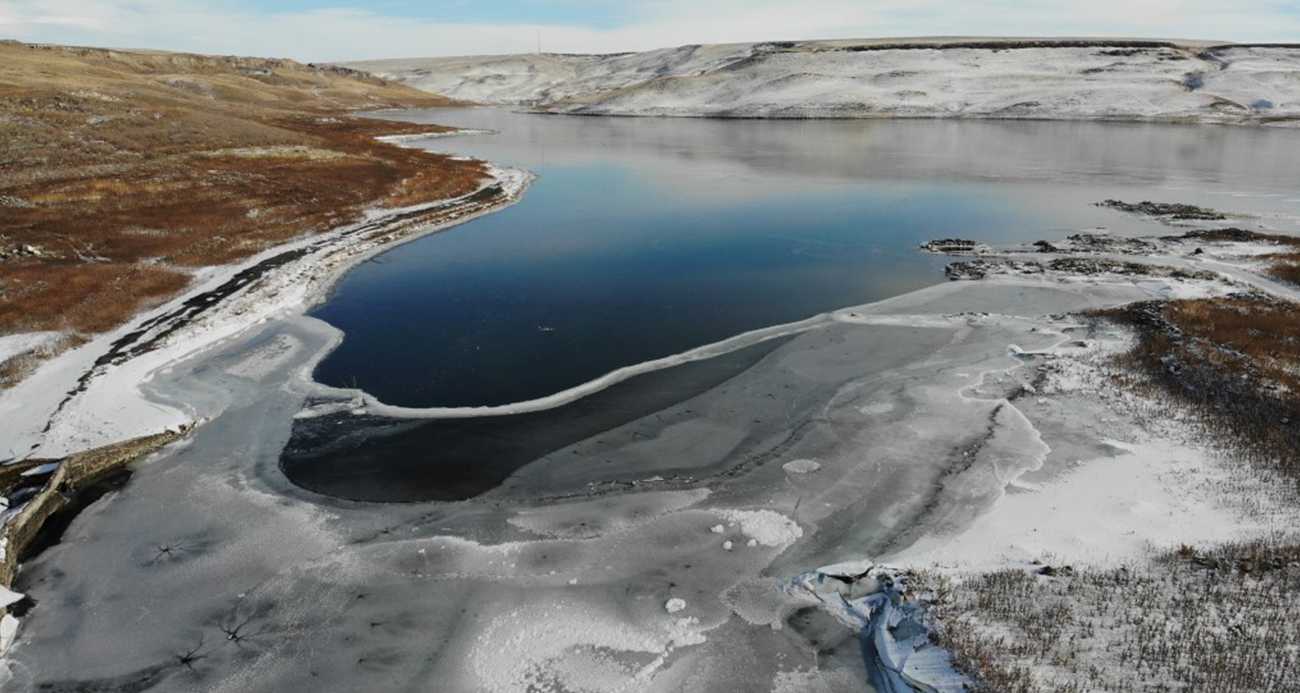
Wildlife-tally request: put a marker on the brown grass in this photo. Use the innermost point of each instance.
(1232, 362)
(1224, 619)
(126, 170)
(1286, 267)
(87, 298)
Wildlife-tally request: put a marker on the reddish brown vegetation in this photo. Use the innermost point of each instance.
(1286, 266)
(122, 171)
(1232, 361)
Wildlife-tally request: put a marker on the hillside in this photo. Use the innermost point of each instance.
(122, 173)
(1094, 79)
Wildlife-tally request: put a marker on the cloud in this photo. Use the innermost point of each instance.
(228, 26)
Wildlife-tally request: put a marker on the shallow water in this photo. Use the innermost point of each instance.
(644, 238)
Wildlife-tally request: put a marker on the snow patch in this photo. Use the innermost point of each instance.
(767, 527)
(8, 632)
(574, 645)
(415, 137)
(876, 408)
(801, 466)
(12, 345)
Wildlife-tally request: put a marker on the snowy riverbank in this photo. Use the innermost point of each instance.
(78, 401)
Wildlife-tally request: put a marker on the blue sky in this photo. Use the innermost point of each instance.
(320, 30)
(581, 13)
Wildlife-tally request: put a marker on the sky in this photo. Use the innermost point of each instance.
(335, 30)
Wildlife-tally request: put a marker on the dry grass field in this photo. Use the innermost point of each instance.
(1200, 618)
(121, 172)
(1222, 619)
(1229, 361)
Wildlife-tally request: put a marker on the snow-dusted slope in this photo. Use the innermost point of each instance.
(1265, 78)
(1058, 79)
(547, 77)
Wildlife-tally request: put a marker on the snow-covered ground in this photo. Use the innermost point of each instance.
(1178, 81)
(14, 345)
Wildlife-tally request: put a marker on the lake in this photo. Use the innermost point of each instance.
(643, 238)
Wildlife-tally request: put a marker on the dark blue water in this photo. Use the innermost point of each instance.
(644, 238)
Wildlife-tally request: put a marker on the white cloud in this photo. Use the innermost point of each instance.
(214, 26)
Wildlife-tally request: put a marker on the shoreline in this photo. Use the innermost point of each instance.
(48, 423)
(324, 258)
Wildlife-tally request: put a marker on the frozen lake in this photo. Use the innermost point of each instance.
(651, 536)
(645, 237)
